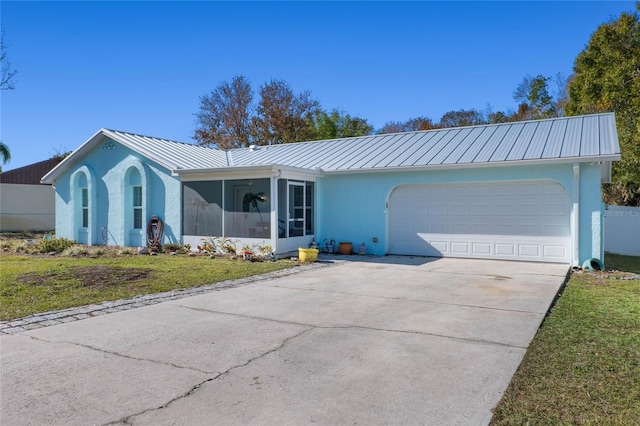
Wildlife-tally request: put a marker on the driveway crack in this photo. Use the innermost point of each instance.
(355, 327)
(128, 420)
(170, 364)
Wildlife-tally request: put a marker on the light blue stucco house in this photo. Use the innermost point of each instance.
(522, 191)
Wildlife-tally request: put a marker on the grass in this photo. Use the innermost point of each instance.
(583, 366)
(619, 262)
(32, 284)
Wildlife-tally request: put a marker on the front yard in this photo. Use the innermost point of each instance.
(32, 283)
(583, 366)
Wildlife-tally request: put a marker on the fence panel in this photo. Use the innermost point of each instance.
(622, 230)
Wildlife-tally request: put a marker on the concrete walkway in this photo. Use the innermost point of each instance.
(391, 340)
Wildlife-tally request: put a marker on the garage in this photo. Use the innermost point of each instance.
(526, 221)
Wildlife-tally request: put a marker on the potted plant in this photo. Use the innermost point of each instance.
(345, 247)
(362, 249)
(329, 245)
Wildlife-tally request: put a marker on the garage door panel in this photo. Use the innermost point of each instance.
(481, 248)
(520, 221)
(505, 249)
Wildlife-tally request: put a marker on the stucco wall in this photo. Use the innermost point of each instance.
(353, 207)
(108, 212)
(26, 207)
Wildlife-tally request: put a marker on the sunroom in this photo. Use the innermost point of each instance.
(249, 207)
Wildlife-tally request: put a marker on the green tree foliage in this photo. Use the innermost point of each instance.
(338, 124)
(534, 93)
(5, 154)
(607, 78)
(225, 115)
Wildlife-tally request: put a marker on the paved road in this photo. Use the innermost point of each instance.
(391, 340)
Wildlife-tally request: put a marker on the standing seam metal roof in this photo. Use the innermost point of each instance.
(551, 139)
(581, 138)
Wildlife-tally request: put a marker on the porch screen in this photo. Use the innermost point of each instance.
(247, 208)
(202, 208)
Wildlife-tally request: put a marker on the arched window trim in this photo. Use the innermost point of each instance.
(126, 191)
(76, 199)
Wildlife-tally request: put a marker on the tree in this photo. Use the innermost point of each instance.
(460, 118)
(534, 93)
(6, 73)
(411, 125)
(339, 124)
(6, 83)
(5, 154)
(224, 120)
(282, 116)
(607, 78)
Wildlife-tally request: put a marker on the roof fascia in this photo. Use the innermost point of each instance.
(592, 159)
(240, 172)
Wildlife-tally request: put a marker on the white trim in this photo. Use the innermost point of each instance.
(216, 173)
(576, 215)
(474, 165)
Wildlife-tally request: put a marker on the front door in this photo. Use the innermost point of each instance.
(296, 219)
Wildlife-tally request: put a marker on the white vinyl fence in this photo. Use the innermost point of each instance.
(622, 230)
(27, 207)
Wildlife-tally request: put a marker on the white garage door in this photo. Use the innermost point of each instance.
(527, 221)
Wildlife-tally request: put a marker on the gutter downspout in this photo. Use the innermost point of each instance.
(576, 215)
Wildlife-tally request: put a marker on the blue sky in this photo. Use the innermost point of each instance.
(142, 66)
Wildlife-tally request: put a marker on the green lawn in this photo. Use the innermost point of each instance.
(583, 366)
(31, 284)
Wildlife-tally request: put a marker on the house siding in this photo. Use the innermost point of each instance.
(108, 168)
(353, 207)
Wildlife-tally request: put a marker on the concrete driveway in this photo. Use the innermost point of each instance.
(393, 340)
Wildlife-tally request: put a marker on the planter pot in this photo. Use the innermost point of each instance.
(330, 248)
(345, 248)
(362, 250)
(307, 255)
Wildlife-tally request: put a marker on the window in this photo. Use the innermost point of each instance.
(137, 207)
(85, 207)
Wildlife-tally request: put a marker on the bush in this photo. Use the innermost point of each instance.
(55, 245)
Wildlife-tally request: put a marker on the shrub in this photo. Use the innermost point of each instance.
(76, 251)
(127, 251)
(176, 247)
(97, 251)
(55, 245)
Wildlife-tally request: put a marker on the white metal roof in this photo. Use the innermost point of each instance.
(566, 139)
(582, 138)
